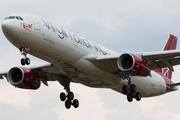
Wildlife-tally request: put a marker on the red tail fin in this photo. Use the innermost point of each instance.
(170, 45)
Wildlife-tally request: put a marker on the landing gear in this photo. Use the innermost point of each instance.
(69, 96)
(69, 100)
(24, 52)
(131, 91)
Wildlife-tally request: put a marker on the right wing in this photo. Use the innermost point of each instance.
(45, 72)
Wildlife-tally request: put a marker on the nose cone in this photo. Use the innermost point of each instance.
(9, 29)
(6, 26)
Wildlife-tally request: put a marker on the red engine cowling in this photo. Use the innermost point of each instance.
(23, 78)
(133, 65)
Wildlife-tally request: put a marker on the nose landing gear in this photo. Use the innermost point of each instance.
(24, 52)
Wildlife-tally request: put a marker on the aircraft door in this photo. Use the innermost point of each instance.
(36, 23)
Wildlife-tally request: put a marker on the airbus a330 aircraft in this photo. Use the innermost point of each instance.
(75, 59)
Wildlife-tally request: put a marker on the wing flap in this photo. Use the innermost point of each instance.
(162, 59)
(161, 64)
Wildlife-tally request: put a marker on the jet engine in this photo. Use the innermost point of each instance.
(23, 78)
(132, 64)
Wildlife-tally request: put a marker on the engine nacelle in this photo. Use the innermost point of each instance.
(133, 65)
(23, 78)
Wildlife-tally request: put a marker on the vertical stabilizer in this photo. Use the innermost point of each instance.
(170, 45)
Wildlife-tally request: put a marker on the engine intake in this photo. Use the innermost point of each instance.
(133, 65)
(23, 78)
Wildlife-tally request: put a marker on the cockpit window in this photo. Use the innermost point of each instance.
(14, 17)
(17, 17)
(6, 18)
(11, 17)
(20, 18)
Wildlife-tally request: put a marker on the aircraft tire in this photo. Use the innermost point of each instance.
(23, 61)
(63, 96)
(129, 97)
(27, 61)
(75, 103)
(133, 88)
(68, 104)
(124, 89)
(138, 96)
(70, 96)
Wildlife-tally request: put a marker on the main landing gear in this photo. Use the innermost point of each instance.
(24, 52)
(69, 100)
(69, 96)
(130, 91)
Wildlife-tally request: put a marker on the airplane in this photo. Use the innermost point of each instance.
(72, 58)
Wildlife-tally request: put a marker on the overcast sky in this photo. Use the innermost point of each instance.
(121, 25)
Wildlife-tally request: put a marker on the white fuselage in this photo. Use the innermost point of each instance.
(67, 51)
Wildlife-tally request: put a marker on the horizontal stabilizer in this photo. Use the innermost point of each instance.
(174, 84)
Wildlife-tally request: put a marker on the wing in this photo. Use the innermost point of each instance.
(155, 60)
(45, 72)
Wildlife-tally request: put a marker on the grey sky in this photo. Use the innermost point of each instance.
(123, 26)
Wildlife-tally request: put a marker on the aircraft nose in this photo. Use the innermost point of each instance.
(5, 26)
(9, 29)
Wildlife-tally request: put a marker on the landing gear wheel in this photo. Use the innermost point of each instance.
(27, 61)
(129, 97)
(124, 89)
(75, 103)
(70, 96)
(133, 88)
(138, 96)
(23, 62)
(68, 104)
(63, 96)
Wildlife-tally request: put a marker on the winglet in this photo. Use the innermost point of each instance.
(171, 43)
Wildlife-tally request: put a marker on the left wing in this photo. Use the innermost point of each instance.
(162, 59)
